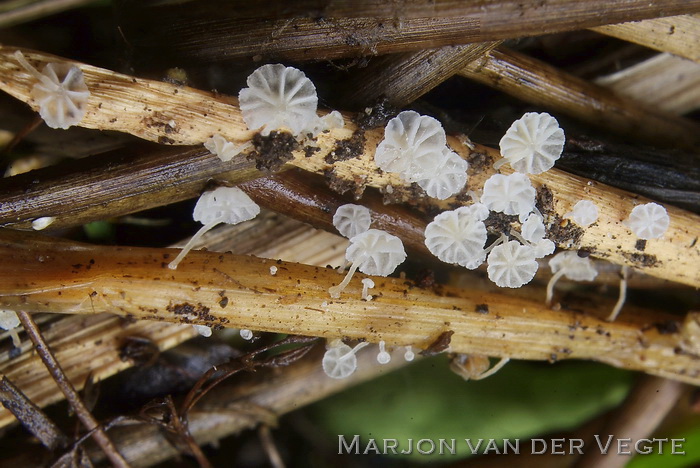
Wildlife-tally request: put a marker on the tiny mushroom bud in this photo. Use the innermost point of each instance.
(367, 284)
(383, 357)
(532, 143)
(203, 330)
(339, 361)
(648, 221)
(246, 334)
(374, 252)
(228, 205)
(351, 220)
(9, 321)
(42, 223)
(585, 213)
(409, 355)
(61, 92)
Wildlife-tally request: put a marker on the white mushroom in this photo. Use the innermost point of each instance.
(511, 265)
(512, 194)
(569, 264)
(584, 214)
(451, 176)
(367, 284)
(351, 220)
(648, 221)
(203, 330)
(533, 233)
(373, 252)
(532, 143)
(43, 222)
(383, 357)
(457, 237)
(61, 92)
(279, 97)
(339, 361)
(223, 148)
(9, 321)
(228, 205)
(246, 334)
(412, 146)
(409, 355)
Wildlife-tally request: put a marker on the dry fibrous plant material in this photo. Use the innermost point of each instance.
(678, 35)
(214, 33)
(172, 114)
(296, 301)
(539, 83)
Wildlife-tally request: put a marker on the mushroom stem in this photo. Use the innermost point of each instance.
(33, 71)
(499, 365)
(336, 290)
(185, 250)
(550, 286)
(623, 295)
(496, 243)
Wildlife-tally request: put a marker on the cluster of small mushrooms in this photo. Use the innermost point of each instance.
(415, 148)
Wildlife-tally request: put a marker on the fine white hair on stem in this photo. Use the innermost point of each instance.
(624, 274)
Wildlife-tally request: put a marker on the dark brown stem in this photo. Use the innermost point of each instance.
(180, 427)
(66, 387)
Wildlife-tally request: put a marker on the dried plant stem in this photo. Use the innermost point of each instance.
(539, 83)
(679, 35)
(665, 82)
(375, 28)
(191, 116)
(295, 300)
(30, 10)
(71, 395)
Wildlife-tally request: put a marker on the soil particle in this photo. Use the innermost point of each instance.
(272, 151)
(353, 147)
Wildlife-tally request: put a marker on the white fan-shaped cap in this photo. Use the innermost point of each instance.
(351, 220)
(279, 96)
(574, 267)
(533, 228)
(479, 211)
(8, 319)
(543, 247)
(451, 176)
(511, 265)
(533, 143)
(376, 252)
(339, 361)
(227, 205)
(203, 330)
(512, 194)
(61, 93)
(412, 146)
(648, 221)
(584, 214)
(221, 147)
(457, 237)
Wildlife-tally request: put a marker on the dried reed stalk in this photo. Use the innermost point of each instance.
(178, 115)
(236, 291)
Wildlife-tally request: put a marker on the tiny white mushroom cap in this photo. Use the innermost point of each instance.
(203, 330)
(228, 205)
(351, 220)
(383, 357)
(8, 319)
(584, 214)
(223, 148)
(511, 265)
(43, 222)
(533, 228)
(457, 237)
(279, 96)
(451, 176)
(648, 221)
(533, 143)
(412, 146)
(512, 194)
(246, 334)
(61, 93)
(543, 247)
(377, 252)
(339, 361)
(573, 267)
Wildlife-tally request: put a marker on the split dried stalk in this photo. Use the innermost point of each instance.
(665, 82)
(179, 115)
(220, 33)
(296, 301)
(679, 35)
(76, 403)
(538, 83)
